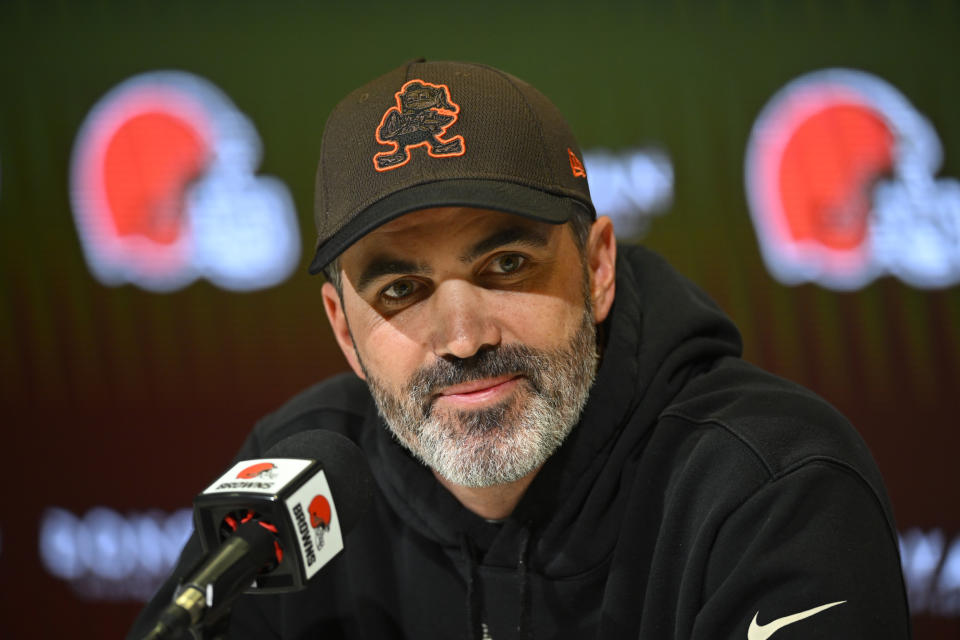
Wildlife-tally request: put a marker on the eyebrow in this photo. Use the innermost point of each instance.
(522, 235)
(386, 266)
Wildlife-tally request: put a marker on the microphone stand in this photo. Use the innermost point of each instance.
(220, 579)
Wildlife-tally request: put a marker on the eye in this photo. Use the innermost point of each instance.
(399, 290)
(507, 263)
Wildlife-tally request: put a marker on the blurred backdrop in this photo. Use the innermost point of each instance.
(797, 160)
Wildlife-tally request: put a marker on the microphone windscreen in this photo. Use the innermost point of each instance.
(344, 465)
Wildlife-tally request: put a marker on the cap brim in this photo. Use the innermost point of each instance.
(482, 194)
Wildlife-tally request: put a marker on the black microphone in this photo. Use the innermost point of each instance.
(269, 525)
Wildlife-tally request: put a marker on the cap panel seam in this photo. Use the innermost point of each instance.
(322, 178)
(406, 72)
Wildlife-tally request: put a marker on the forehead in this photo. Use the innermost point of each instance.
(444, 229)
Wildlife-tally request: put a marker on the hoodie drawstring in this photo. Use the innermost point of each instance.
(475, 625)
(473, 601)
(523, 625)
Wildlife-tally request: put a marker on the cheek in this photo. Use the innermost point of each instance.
(538, 320)
(552, 309)
(387, 353)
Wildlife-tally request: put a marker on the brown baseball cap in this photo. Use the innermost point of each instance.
(433, 134)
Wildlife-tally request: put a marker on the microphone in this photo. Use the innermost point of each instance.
(269, 525)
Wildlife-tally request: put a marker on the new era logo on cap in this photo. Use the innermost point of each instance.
(576, 167)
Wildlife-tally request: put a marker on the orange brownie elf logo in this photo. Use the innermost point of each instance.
(421, 117)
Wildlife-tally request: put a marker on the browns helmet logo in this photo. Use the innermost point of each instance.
(840, 180)
(164, 190)
(320, 512)
(259, 470)
(421, 117)
(321, 515)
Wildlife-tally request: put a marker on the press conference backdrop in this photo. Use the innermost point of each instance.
(797, 160)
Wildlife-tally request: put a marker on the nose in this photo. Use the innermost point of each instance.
(462, 321)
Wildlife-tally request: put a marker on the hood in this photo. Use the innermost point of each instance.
(661, 331)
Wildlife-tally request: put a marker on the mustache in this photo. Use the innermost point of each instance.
(486, 363)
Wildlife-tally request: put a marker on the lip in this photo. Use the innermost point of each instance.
(479, 391)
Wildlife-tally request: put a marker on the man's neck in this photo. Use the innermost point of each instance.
(493, 503)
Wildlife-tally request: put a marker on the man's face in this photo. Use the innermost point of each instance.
(475, 332)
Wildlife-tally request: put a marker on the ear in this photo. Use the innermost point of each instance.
(602, 266)
(341, 330)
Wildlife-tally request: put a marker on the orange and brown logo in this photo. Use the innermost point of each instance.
(262, 470)
(421, 117)
(575, 165)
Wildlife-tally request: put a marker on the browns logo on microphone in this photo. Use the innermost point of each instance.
(260, 470)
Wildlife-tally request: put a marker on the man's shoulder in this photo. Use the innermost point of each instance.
(339, 403)
(778, 423)
(738, 409)
(743, 431)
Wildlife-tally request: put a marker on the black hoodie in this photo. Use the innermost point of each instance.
(698, 497)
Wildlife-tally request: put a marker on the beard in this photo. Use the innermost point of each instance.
(504, 442)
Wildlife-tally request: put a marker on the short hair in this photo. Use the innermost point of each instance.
(580, 225)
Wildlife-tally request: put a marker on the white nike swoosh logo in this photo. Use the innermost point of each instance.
(764, 631)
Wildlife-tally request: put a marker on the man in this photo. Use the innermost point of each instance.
(564, 440)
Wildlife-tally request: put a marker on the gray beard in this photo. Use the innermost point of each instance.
(505, 442)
